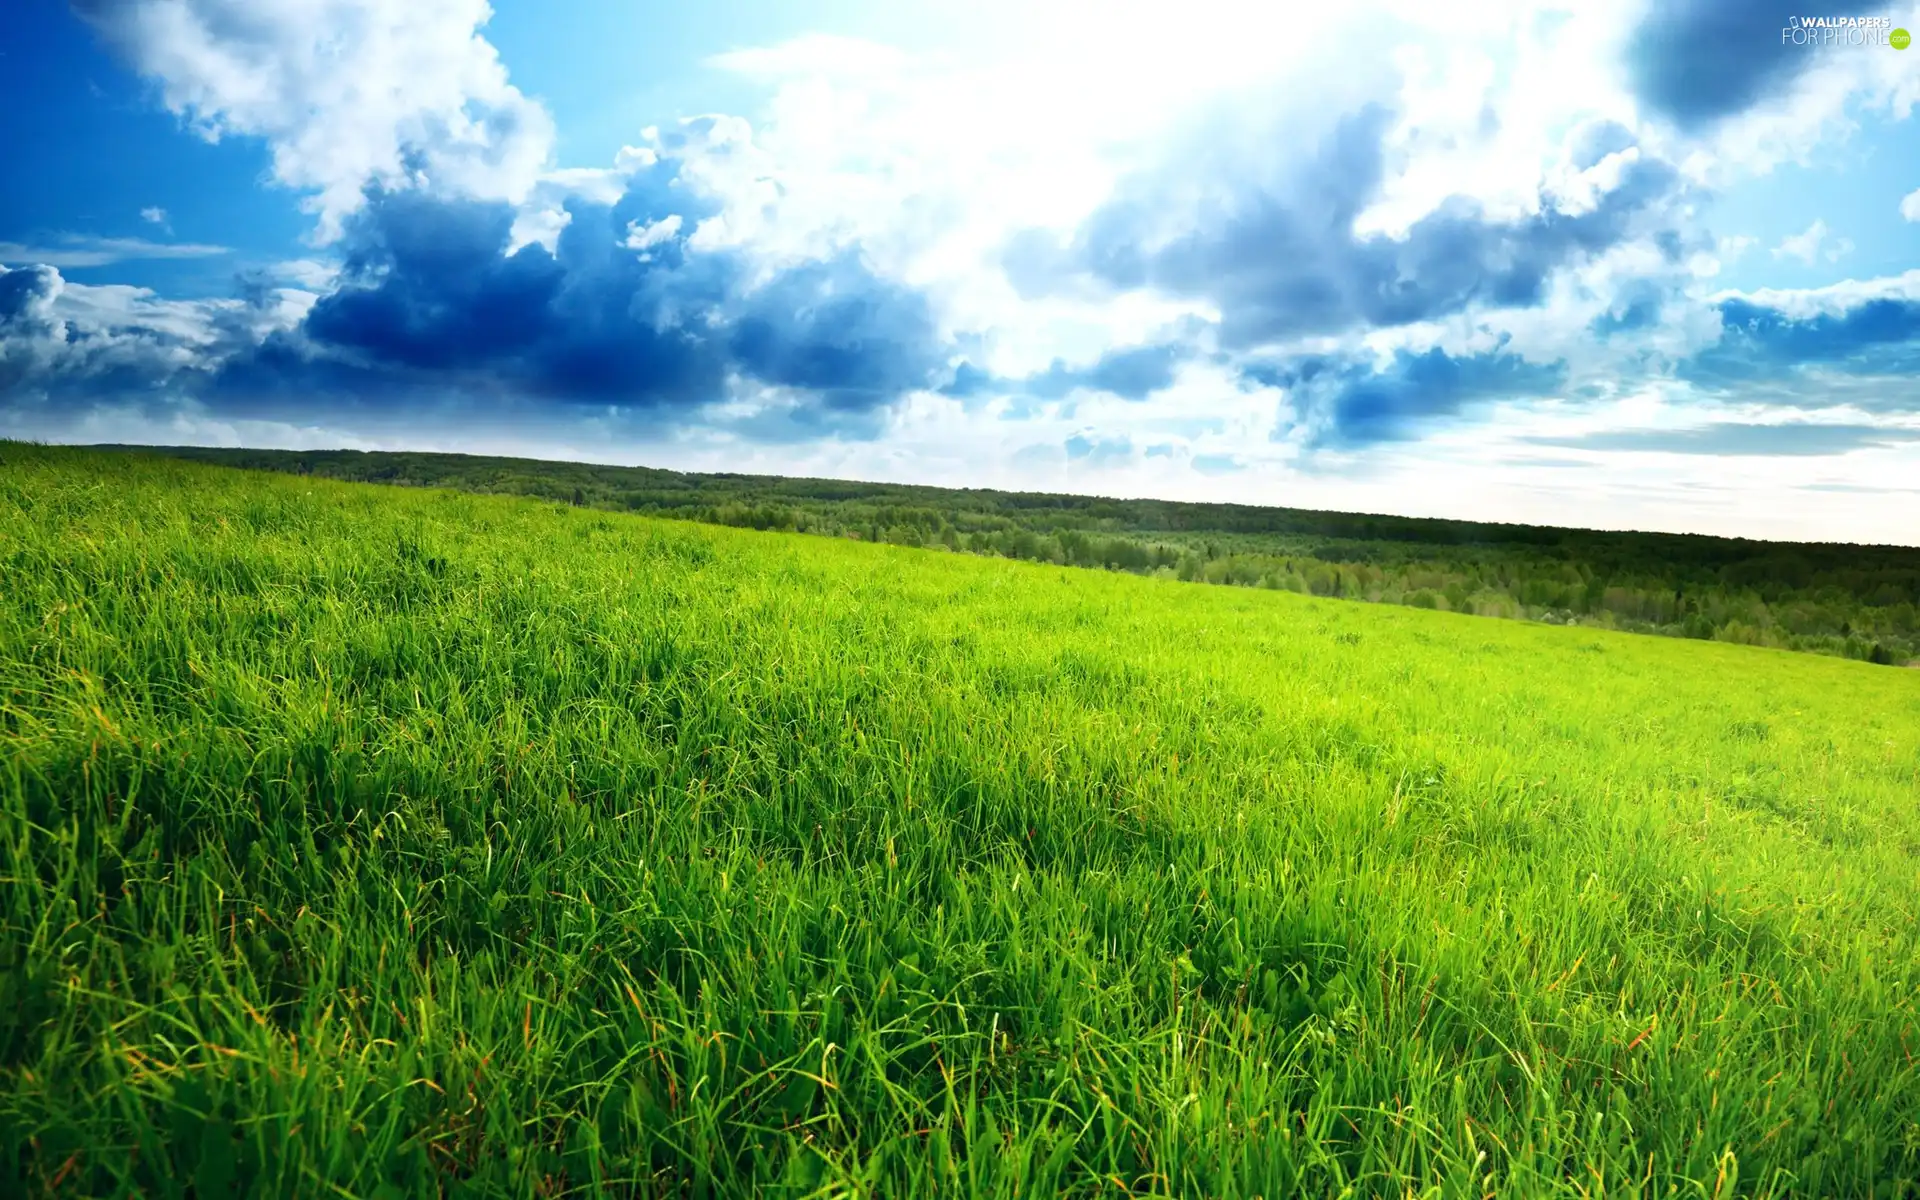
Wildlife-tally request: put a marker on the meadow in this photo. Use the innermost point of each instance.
(377, 842)
(1854, 601)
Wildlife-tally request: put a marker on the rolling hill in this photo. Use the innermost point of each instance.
(363, 841)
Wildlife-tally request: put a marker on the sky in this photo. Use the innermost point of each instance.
(1614, 265)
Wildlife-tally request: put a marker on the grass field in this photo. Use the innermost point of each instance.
(367, 842)
(1853, 601)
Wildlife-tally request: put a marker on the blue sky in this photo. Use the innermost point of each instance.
(1605, 264)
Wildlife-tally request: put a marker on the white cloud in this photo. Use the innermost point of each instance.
(596, 185)
(538, 226)
(345, 92)
(63, 334)
(543, 213)
(930, 163)
(106, 308)
(1812, 244)
(640, 237)
(66, 332)
(75, 250)
(310, 274)
(1801, 303)
(154, 216)
(1910, 205)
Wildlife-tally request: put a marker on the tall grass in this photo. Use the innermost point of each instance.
(364, 842)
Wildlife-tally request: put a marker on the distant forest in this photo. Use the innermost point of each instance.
(1860, 602)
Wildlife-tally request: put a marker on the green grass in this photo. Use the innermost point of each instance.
(368, 842)
(1848, 600)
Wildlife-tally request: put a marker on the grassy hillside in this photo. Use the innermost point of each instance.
(1858, 602)
(366, 842)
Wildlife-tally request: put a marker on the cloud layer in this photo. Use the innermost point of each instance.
(433, 303)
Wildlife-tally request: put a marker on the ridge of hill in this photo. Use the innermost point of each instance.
(1855, 601)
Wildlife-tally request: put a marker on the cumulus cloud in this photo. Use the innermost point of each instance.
(434, 301)
(1280, 258)
(65, 341)
(644, 304)
(26, 300)
(1910, 205)
(346, 93)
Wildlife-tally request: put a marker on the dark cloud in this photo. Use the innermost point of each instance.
(428, 288)
(1697, 61)
(1353, 402)
(1279, 257)
(622, 313)
(1759, 331)
(1761, 343)
(1733, 438)
(431, 301)
(833, 329)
